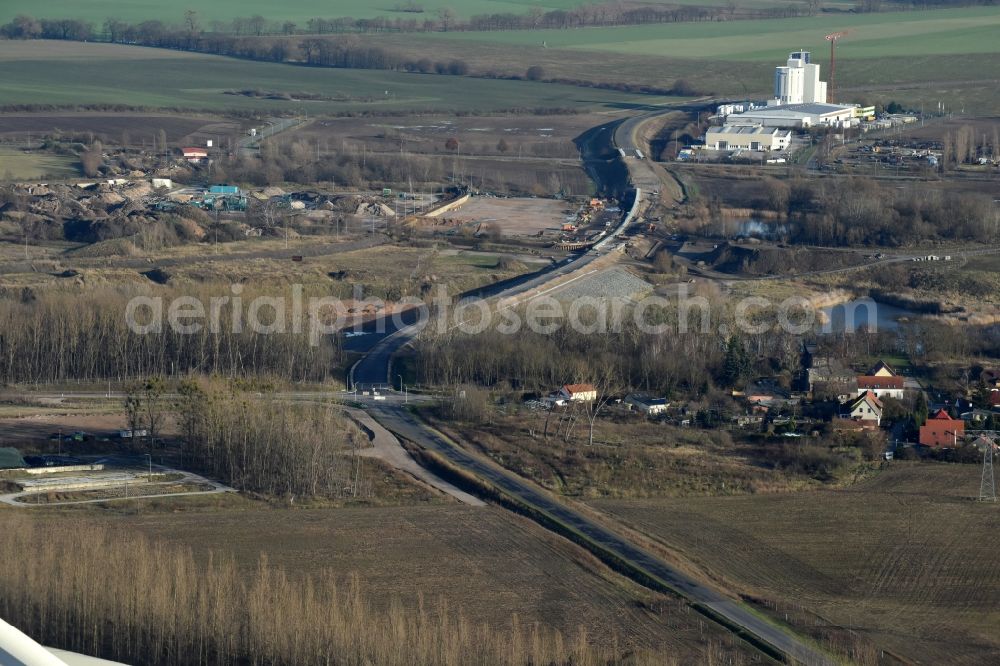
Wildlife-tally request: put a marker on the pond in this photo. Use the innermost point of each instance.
(859, 313)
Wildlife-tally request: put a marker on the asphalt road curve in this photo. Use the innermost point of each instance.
(404, 424)
(388, 336)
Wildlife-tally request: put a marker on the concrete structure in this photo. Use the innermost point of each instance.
(797, 82)
(942, 430)
(578, 393)
(866, 409)
(747, 137)
(798, 116)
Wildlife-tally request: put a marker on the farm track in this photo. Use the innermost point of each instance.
(67, 260)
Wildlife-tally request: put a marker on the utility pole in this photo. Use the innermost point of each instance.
(987, 485)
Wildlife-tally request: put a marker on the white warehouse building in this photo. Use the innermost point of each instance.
(798, 116)
(797, 82)
(747, 137)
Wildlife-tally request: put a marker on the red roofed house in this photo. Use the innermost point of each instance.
(882, 381)
(866, 409)
(578, 392)
(195, 155)
(995, 398)
(942, 430)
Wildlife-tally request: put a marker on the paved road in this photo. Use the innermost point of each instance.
(405, 425)
(375, 369)
(388, 335)
(387, 448)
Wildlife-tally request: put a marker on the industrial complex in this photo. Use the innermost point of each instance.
(800, 101)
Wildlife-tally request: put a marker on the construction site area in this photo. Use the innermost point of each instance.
(56, 480)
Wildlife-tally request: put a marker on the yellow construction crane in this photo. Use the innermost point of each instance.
(832, 38)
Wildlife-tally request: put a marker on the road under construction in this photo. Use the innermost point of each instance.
(601, 156)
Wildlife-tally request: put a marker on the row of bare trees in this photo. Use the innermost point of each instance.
(443, 19)
(965, 146)
(54, 335)
(667, 362)
(116, 594)
(267, 446)
(862, 211)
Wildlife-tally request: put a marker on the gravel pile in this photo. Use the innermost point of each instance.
(615, 283)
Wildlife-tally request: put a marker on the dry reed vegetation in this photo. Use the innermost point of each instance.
(122, 596)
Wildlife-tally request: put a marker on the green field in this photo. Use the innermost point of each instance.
(302, 10)
(871, 36)
(18, 165)
(297, 10)
(67, 73)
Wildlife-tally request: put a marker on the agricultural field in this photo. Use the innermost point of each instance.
(906, 560)
(298, 10)
(483, 562)
(77, 74)
(913, 57)
(135, 129)
(508, 153)
(16, 164)
(303, 10)
(955, 31)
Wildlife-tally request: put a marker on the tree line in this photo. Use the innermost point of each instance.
(68, 335)
(442, 20)
(265, 446)
(671, 362)
(861, 211)
(119, 595)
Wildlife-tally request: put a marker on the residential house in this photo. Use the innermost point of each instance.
(882, 381)
(827, 372)
(866, 409)
(195, 155)
(976, 418)
(578, 393)
(647, 405)
(995, 398)
(942, 430)
(882, 369)
(748, 420)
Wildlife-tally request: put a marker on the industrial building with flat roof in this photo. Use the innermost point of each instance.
(747, 137)
(797, 115)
